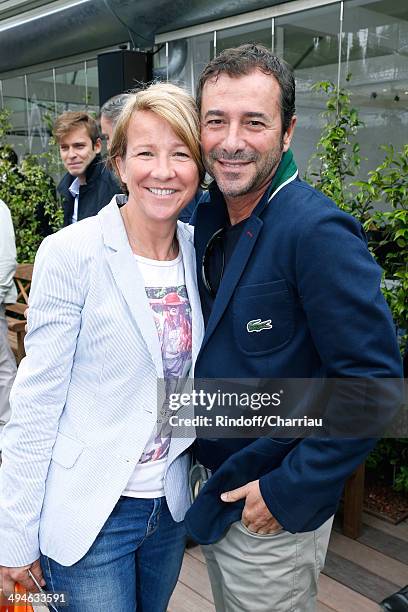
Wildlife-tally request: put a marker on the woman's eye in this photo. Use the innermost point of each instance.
(181, 154)
(145, 154)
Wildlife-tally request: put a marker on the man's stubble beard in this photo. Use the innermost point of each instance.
(262, 174)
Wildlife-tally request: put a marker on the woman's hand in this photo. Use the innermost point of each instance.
(11, 575)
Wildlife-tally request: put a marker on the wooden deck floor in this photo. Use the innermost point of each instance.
(358, 573)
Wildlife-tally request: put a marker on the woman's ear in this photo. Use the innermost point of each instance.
(121, 168)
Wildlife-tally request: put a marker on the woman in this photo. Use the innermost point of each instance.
(91, 477)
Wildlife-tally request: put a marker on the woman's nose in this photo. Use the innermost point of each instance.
(163, 169)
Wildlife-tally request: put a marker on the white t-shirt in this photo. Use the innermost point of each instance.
(167, 294)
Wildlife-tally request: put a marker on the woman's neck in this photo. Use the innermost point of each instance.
(153, 240)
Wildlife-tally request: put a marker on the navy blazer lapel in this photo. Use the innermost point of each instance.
(233, 272)
(129, 279)
(209, 217)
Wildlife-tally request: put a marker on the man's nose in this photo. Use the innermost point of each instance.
(233, 139)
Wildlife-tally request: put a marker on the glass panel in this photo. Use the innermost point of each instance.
(201, 52)
(375, 52)
(179, 63)
(92, 86)
(309, 42)
(177, 67)
(41, 110)
(71, 87)
(14, 97)
(160, 62)
(259, 32)
(186, 59)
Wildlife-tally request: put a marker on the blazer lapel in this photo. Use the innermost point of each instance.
(185, 238)
(233, 273)
(129, 279)
(184, 436)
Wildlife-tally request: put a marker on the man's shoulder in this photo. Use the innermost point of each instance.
(64, 184)
(304, 206)
(4, 209)
(105, 178)
(300, 193)
(5, 216)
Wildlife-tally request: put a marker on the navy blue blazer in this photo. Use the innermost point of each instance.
(303, 263)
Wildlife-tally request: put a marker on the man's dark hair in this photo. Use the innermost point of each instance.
(243, 60)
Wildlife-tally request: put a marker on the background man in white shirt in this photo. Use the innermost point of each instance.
(8, 294)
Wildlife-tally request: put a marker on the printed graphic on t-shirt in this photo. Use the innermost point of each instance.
(172, 315)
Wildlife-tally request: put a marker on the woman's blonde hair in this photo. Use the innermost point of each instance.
(171, 103)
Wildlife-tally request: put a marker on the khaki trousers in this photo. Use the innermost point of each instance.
(267, 573)
(8, 371)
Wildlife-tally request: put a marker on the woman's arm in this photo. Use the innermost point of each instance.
(38, 397)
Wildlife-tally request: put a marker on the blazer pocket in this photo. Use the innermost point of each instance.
(263, 317)
(66, 450)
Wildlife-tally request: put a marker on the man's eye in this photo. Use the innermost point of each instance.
(255, 123)
(215, 122)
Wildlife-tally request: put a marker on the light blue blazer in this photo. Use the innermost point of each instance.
(84, 402)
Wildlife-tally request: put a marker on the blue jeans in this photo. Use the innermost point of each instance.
(133, 564)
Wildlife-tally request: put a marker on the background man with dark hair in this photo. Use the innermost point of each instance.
(272, 249)
(88, 185)
(110, 112)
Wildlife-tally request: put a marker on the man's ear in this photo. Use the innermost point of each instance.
(98, 145)
(288, 135)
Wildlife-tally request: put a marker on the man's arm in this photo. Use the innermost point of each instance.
(7, 252)
(353, 332)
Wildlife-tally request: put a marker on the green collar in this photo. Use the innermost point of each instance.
(286, 170)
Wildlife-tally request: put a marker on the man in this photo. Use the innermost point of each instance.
(8, 294)
(88, 185)
(110, 112)
(272, 249)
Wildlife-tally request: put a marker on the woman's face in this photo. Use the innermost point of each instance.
(158, 169)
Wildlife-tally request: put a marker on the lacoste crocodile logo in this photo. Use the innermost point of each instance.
(256, 325)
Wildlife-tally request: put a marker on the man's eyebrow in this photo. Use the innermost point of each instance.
(249, 114)
(214, 113)
(258, 115)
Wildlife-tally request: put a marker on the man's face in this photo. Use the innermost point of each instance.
(77, 151)
(241, 131)
(107, 130)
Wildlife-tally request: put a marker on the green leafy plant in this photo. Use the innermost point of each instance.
(389, 462)
(29, 192)
(337, 156)
(401, 480)
(388, 229)
(380, 203)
